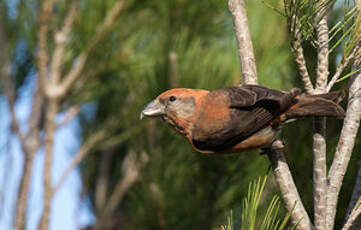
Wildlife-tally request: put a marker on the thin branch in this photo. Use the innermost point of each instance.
(80, 61)
(131, 167)
(287, 187)
(69, 115)
(322, 49)
(245, 48)
(340, 68)
(345, 145)
(353, 216)
(80, 155)
(356, 193)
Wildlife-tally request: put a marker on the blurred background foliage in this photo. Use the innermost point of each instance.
(156, 45)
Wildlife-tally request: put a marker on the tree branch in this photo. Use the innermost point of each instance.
(345, 145)
(44, 17)
(80, 155)
(319, 173)
(300, 59)
(69, 115)
(319, 136)
(60, 42)
(353, 216)
(287, 187)
(131, 167)
(340, 68)
(244, 42)
(47, 175)
(322, 50)
(356, 193)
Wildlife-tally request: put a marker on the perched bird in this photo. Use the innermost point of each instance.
(237, 119)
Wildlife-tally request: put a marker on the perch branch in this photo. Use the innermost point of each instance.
(287, 187)
(276, 156)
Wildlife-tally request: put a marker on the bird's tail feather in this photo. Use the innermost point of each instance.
(317, 105)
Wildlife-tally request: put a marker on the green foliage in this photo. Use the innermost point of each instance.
(250, 218)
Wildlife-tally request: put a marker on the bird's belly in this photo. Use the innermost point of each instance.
(260, 139)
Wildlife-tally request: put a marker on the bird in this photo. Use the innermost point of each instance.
(239, 118)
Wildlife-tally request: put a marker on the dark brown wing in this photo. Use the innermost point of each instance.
(281, 100)
(233, 114)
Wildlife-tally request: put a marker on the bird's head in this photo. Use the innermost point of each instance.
(178, 107)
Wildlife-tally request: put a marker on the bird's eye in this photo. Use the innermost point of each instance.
(172, 98)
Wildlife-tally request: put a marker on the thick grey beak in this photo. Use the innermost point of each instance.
(152, 109)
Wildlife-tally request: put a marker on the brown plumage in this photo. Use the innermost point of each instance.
(237, 119)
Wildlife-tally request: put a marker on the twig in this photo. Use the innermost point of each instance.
(356, 193)
(340, 68)
(287, 187)
(131, 167)
(353, 216)
(245, 48)
(80, 155)
(345, 145)
(69, 115)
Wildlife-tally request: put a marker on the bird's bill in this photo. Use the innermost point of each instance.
(152, 109)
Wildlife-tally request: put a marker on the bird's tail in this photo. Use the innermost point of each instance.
(317, 105)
